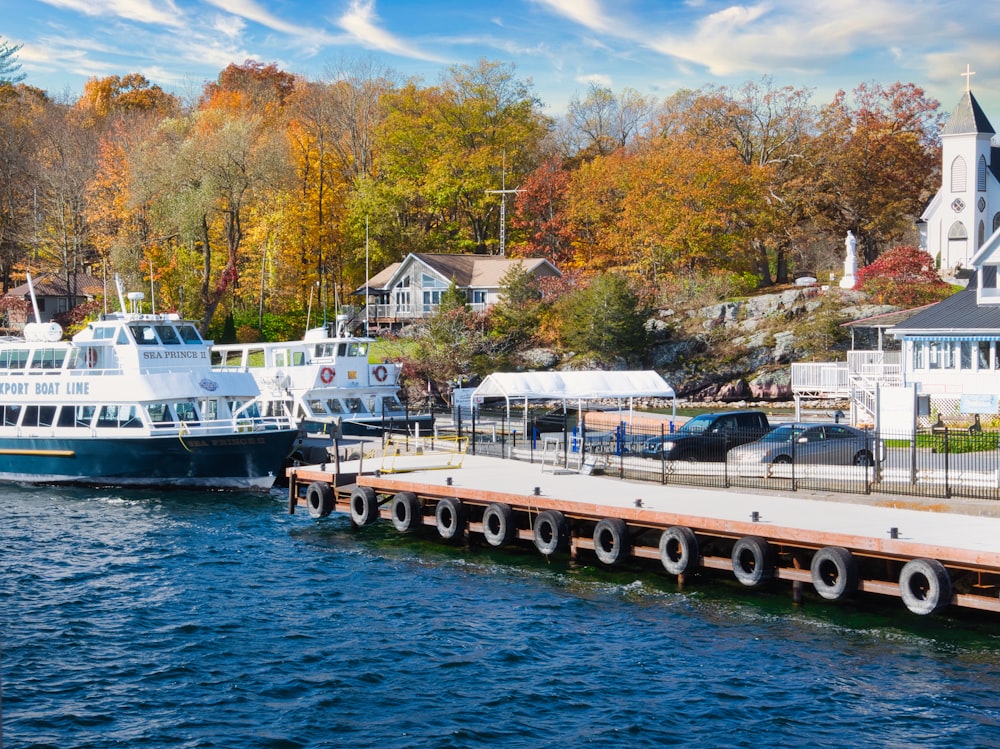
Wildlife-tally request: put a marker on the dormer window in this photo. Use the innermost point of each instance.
(988, 293)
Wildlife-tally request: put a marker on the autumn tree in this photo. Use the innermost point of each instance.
(904, 276)
(771, 130)
(881, 162)
(21, 121)
(540, 216)
(602, 122)
(446, 147)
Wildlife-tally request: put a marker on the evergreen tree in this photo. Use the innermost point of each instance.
(9, 66)
(606, 319)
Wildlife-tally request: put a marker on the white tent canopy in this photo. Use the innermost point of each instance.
(576, 386)
(587, 385)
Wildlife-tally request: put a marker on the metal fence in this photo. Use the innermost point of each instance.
(932, 462)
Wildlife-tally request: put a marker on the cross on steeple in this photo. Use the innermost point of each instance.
(968, 77)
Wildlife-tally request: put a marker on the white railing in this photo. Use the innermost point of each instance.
(821, 377)
(411, 311)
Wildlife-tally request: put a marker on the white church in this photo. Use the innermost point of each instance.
(966, 209)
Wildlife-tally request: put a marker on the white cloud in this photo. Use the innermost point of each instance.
(164, 13)
(251, 11)
(587, 13)
(360, 22)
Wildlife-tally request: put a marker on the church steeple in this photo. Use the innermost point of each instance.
(968, 117)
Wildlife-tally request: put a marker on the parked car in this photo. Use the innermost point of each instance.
(707, 437)
(831, 444)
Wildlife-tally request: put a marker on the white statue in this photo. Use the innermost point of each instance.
(850, 262)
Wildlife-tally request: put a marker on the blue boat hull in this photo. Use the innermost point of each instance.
(244, 461)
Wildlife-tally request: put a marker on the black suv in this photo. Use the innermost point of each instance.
(709, 436)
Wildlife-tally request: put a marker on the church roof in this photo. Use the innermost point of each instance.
(968, 117)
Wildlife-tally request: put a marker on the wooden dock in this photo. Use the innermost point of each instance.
(928, 559)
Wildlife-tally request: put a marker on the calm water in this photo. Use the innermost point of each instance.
(195, 620)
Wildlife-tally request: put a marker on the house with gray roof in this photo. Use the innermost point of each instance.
(411, 290)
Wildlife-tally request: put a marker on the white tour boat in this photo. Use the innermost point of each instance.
(325, 383)
(132, 400)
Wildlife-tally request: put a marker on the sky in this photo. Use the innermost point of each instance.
(561, 46)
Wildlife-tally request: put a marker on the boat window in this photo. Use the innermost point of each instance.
(168, 335)
(186, 412)
(362, 349)
(118, 417)
(216, 357)
(13, 358)
(316, 406)
(210, 409)
(104, 332)
(159, 414)
(76, 416)
(39, 416)
(188, 334)
(234, 358)
(122, 339)
(325, 350)
(354, 405)
(391, 404)
(143, 334)
(244, 409)
(279, 358)
(48, 358)
(255, 358)
(10, 415)
(298, 358)
(334, 406)
(353, 349)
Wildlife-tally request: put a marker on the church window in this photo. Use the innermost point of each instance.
(981, 174)
(958, 174)
(996, 221)
(957, 231)
(981, 234)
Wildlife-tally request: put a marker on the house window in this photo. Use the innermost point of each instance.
(989, 276)
(983, 359)
(479, 296)
(919, 355)
(965, 359)
(958, 174)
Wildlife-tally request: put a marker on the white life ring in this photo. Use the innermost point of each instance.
(381, 373)
(92, 357)
(326, 375)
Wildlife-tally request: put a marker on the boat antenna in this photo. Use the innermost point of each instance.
(121, 293)
(310, 309)
(34, 301)
(152, 288)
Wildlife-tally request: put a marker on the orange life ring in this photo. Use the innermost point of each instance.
(326, 375)
(92, 357)
(381, 373)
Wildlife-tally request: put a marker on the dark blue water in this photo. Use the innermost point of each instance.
(198, 620)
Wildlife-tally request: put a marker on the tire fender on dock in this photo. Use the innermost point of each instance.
(551, 532)
(406, 512)
(753, 561)
(679, 552)
(925, 586)
(612, 543)
(449, 516)
(834, 573)
(319, 499)
(498, 524)
(364, 506)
